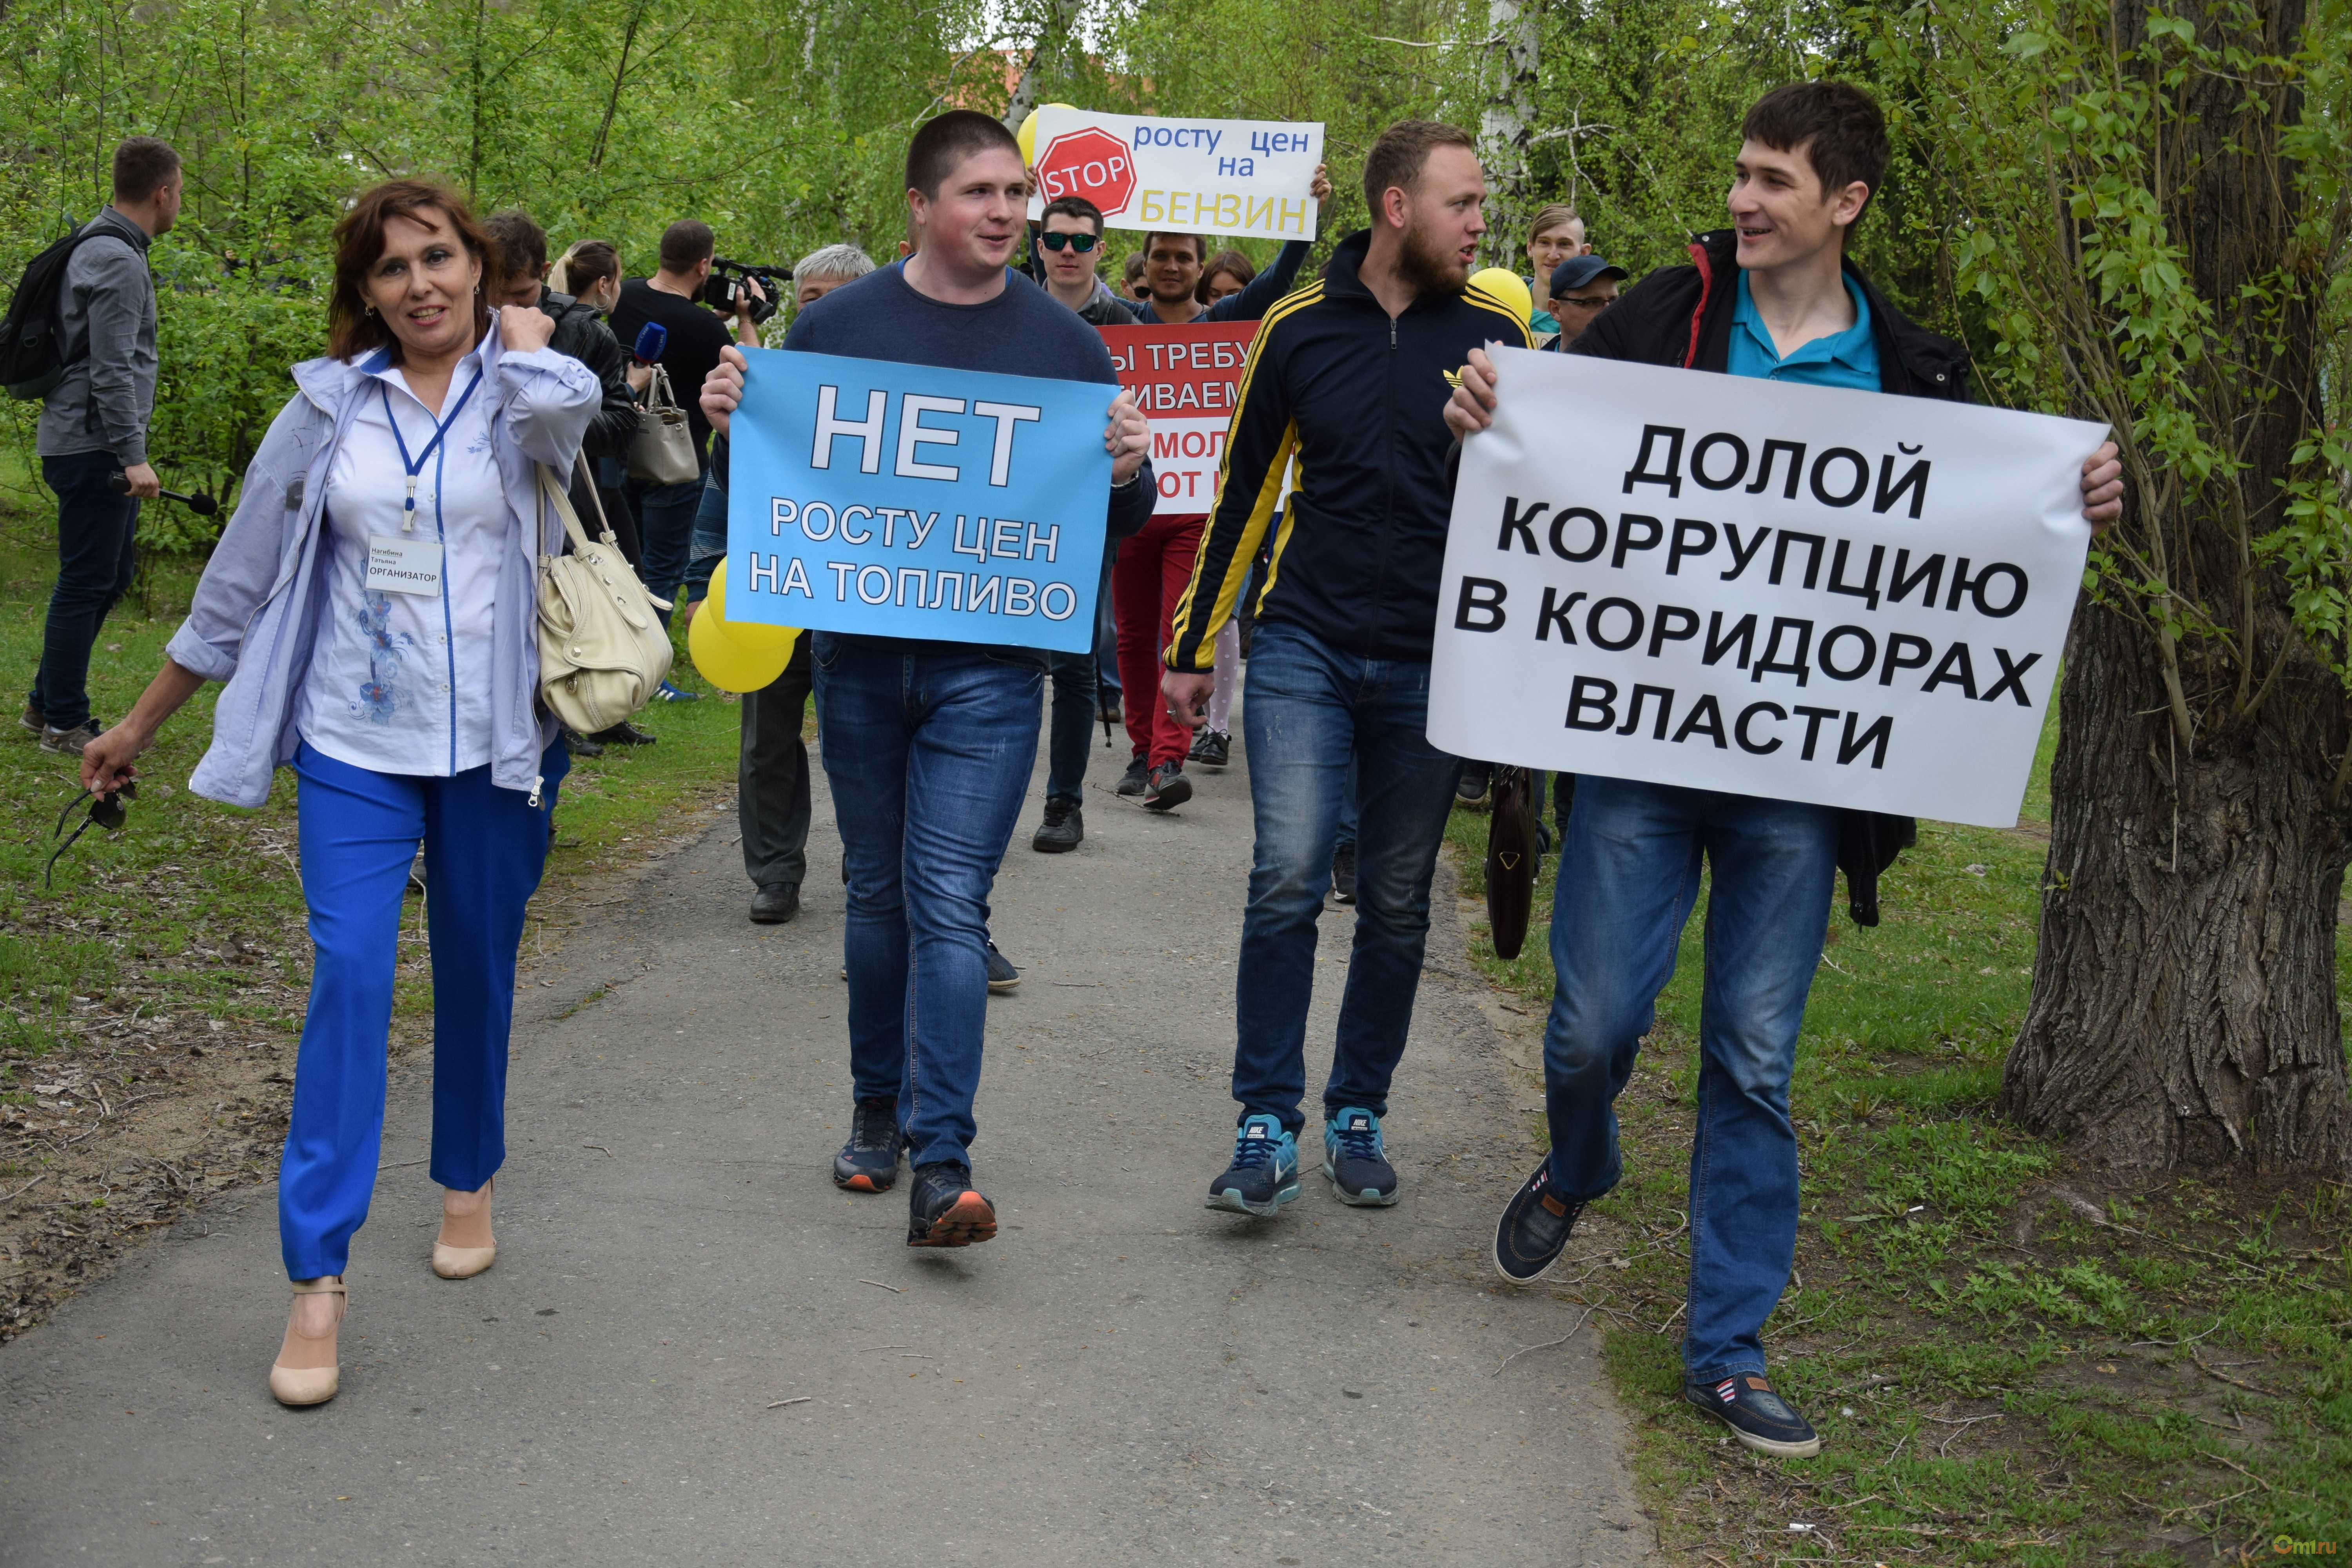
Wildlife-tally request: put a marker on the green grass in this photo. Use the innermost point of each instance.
(1985, 1363)
(196, 905)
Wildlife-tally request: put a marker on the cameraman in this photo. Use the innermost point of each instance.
(669, 297)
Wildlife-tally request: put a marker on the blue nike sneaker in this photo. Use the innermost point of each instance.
(1265, 1173)
(668, 693)
(1356, 1161)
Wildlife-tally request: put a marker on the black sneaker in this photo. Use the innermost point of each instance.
(869, 1162)
(1263, 1175)
(943, 1208)
(1534, 1228)
(581, 745)
(1471, 785)
(775, 902)
(1356, 1159)
(1343, 873)
(1759, 1417)
(1064, 828)
(1137, 777)
(1212, 748)
(1002, 976)
(1169, 789)
(624, 734)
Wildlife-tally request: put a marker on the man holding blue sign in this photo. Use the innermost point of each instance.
(938, 529)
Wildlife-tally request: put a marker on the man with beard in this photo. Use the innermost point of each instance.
(1350, 375)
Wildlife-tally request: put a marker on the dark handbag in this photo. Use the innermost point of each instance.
(1511, 859)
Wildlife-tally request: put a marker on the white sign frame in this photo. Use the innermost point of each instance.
(1246, 178)
(1597, 507)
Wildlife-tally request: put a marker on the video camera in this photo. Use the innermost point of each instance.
(724, 287)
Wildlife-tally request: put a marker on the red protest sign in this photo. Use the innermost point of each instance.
(1186, 379)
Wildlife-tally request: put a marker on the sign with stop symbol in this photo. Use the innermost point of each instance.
(1092, 163)
(1252, 177)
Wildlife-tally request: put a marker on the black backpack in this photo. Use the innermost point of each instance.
(32, 350)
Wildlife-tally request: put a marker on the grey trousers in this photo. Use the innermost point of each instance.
(772, 776)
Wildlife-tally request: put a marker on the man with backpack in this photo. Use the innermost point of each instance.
(80, 335)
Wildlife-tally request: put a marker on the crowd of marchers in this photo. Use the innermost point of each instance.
(369, 610)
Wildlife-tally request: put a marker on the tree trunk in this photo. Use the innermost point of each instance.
(1509, 62)
(1053, 29)
(2184, 995)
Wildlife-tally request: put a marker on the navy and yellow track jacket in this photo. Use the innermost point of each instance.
(1359, 399)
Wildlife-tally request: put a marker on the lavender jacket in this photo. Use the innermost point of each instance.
(256, 612)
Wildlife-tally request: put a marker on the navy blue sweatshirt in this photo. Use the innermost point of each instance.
(1023, 331)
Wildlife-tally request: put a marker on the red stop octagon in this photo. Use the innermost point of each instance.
(1091, 164)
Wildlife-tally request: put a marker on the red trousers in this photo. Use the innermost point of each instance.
(1146, 581)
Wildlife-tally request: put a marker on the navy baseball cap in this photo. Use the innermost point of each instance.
(1578, 270)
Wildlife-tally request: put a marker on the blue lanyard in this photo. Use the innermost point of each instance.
(416, 467)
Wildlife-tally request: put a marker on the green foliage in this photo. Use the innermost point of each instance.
(782, 123)
(2151, 227)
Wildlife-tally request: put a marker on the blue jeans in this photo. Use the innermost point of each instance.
(929, 756)
(1107, 633)
(665, 516)
(1310, 715)
(1073, 734)
(96, 529)
(484, 851)
(707, 544)
(1628, 875)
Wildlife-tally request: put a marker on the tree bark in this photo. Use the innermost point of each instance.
(2184, 994)
(2184, 998)
(1510, 60)
(1052, 30)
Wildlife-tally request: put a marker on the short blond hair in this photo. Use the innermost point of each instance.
(1551, 216)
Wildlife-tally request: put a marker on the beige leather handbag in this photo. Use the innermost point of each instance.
(602, 651)
(663, 450)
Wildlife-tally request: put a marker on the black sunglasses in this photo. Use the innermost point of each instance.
(1081, 243)
(106, 810)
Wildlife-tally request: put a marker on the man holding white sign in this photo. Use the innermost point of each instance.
(929, 739)
(1677, 785)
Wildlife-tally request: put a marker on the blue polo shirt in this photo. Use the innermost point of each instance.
(1848, 358)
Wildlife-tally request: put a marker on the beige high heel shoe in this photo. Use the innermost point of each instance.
(465, 1262)
(299, 1386)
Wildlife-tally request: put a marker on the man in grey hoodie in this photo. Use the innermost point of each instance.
(93, 424)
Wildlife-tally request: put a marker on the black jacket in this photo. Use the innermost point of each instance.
(581, 333)
(1358, 400)
(1682, 316)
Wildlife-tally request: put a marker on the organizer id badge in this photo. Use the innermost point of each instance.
(403, 564)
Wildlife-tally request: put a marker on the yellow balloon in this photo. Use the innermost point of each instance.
(1506, 286)
(1028, 135)
(725, 666)
(751, 637)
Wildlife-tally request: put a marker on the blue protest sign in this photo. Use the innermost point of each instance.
(910, 501)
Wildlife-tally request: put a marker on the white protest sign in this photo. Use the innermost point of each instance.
(1154, 172)
(1793, 592)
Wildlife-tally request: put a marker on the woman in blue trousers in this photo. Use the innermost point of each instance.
(370, 606)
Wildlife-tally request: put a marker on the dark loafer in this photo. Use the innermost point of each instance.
(1759, 1417)
(776, 903)
(1534, 1228)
